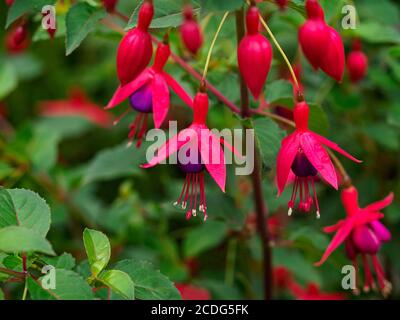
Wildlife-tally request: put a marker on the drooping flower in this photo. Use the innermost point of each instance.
(135, 49)
(302, 153)
(321, 44)
(190, 31)
(77, 104)
(363, 234)
(198, 150)
(110, 5)
(357, 63)
(284, 280)
(149, 93)
(254, 54)
(190, 292)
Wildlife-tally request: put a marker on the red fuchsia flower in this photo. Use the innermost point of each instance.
(302, 154)
(77, 104)
(9, 2)
(254, 54)
(284, 281)
(191, 33)
(17, 40)
(110, 5)
(203, 150)
(190, 292)
(149, 93)
(363, 234)
(357, 63)
(135, 49)
(321, 44)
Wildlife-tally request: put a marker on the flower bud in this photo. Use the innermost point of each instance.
(254, 54)
(357, 63)
(190, 31)
(135, 49)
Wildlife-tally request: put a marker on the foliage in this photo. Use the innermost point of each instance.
(109, 227)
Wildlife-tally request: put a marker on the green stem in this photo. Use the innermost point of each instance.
(213, 44)
(231, 261)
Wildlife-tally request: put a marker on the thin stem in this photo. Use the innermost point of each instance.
(231, 261)
(213, 44)
(285, 58)
(260, 205)
(12, 273)
(24, 294)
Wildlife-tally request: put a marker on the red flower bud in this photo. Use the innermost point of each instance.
(321, 44)
(135, 48)
(357, 63)
(17, 39)
(313, 36)
(333, 61)
(9, 2)
(110, 5)
(190, 31)
(254, 54)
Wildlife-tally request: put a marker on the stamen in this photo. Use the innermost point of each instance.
(196, 176)
(182, 192)
(203, 196)
(315, 198)
(378, 271)
(368, 281)
(356, 291)
(123, 114)
(142, 131)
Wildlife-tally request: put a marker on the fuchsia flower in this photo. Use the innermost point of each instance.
(17, 39)
(9, 2)
(204, 152)
(254, 54)
(322, 44)
(190, 292)
(363, 234)
(149, 93)
(190, 31)
(357, 63)
(135, 49)
(284, 281)
(77, 104)
(302, 154)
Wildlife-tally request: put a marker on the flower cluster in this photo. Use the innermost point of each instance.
(303, 157)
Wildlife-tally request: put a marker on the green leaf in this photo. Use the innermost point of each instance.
(98, 250)
(20, 7)
(279, 92)
(8, 79)
(268, 136)
(375, 32)
(150, 284)
(5, 170)
(166, 14)
(21, 239)
(80, 21)
(226, 5)
(1, 294)
(24, 208)
(68, 286)
(120, 282)
(205, 237)
(383, 134)
(114, 163)
(318, 120)
(64, 261)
